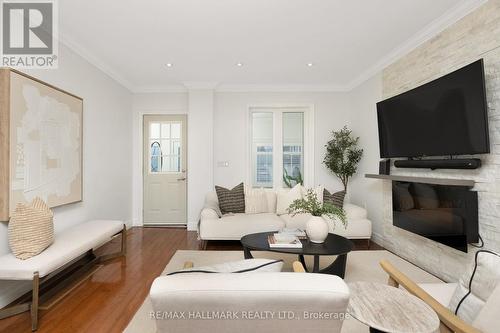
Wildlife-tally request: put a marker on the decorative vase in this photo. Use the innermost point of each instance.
(317, 229)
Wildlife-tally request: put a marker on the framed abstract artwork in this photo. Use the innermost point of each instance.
(40, 143)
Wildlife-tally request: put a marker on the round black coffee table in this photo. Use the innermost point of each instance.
(334, 245)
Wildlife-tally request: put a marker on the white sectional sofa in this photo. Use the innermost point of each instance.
(235, 226)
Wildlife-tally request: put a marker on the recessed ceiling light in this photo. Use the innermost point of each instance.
(239, 64)
(310, 64)
(169, 65)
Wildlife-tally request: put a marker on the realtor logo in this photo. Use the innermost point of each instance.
(29, 34)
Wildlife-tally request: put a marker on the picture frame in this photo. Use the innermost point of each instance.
(41, 143)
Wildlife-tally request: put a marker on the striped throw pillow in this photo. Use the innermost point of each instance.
(231, 201)
(31, 229)
(336, 199)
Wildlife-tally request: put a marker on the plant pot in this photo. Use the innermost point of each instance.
(317, 229)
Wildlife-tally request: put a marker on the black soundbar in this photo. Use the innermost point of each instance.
(465, 163)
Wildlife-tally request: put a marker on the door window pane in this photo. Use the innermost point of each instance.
(293, 147)
(165, 130)
(154, 130)
(155, 156)
(165, 143)
(262, 149)
(176, 147)
(176, 131)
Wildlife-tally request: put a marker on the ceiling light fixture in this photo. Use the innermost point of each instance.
(310, 64)
(169, 65)
(239, 64)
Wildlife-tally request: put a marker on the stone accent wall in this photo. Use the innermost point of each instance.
(475, 36)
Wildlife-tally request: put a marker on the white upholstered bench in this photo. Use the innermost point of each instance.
(69, 247)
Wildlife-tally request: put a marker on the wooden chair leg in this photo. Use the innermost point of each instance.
(34, 302)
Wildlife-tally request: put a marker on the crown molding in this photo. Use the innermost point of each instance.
(239, 88)
(437, 26)
(200, 85)
(280, 88)
(92, 59)
(173, 88)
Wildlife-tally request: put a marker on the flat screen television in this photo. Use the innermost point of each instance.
(447, 116)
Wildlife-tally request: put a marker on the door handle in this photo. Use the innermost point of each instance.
(181, 179)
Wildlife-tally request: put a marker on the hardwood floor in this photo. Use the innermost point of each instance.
(107, 300)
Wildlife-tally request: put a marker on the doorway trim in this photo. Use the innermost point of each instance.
(183, 118)
(138, 165)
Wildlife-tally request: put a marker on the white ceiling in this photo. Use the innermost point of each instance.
(346, 40)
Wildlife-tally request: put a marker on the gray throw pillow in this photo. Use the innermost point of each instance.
(336, 199)
(426, 196)
(401, 197)
(231, 201)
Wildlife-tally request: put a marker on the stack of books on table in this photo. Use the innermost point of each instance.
(284, 241)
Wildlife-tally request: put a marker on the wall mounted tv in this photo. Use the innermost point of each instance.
(447, 116)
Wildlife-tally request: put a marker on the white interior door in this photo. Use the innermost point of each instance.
(165, 157)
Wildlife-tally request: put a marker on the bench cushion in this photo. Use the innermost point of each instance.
(68, 245)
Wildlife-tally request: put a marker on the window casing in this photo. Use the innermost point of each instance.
(280, 146)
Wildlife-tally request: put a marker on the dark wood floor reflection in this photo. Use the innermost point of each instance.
(108, 300)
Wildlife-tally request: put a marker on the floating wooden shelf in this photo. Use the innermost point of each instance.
(426, 180)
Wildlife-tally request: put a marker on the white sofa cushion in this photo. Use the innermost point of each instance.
(286, 197)
(285, 293)
(255, 200)
(271, 201)
(68, 245)
(441, 292)
(356, 228)
(238, 225)
(488, 320)
(297, 222)
(355, 212)
(256, 265)
(476, 285)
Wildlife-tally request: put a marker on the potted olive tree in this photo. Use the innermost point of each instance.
(317, 228)
(343, 155)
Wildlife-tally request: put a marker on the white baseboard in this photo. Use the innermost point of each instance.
(192, 226)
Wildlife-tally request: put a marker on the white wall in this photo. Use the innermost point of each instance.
(153, 103)
(229, 128)
(367, 192)
(200, 151)
(106, 149)
(331, 112)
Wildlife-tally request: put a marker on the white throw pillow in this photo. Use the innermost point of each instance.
(318, 190)
(488, 320)
(285, 198)
(255, 200)
(257, 265)
(482, 277)
(271, 201)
